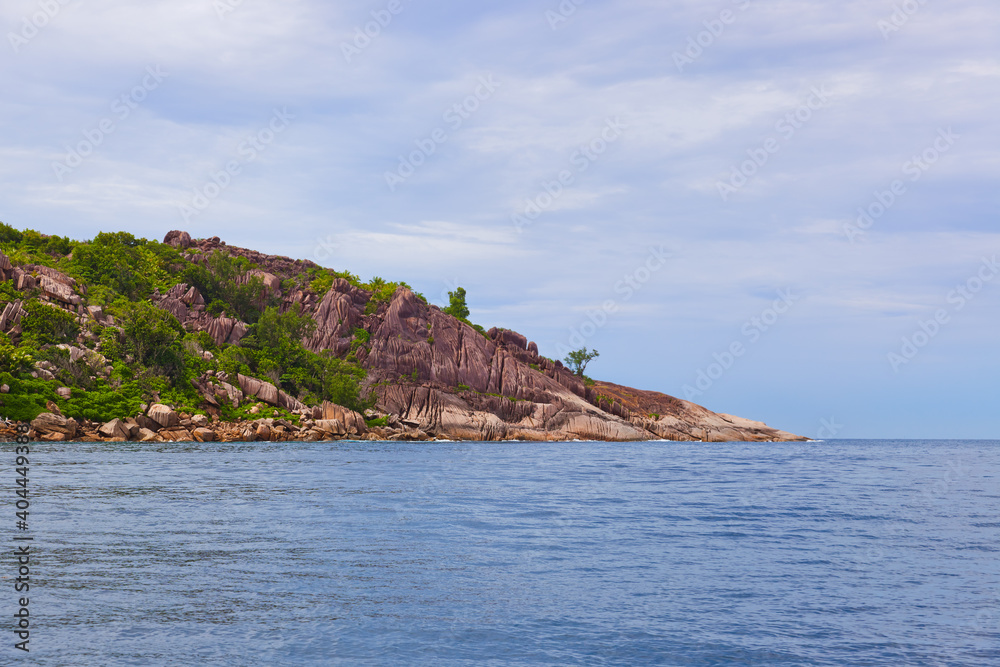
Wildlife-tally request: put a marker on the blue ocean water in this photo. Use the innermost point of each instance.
(826, 553)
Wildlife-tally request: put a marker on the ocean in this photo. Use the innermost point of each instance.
(582, 553)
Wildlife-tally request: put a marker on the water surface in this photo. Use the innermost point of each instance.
(832, 553)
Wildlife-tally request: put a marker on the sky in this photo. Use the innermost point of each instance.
(778, 209)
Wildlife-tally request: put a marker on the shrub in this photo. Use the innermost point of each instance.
(9, 235)
(14, 360)
(27, 397)
(121, 262)
(151, 337)
(47, 325)
(224, 279)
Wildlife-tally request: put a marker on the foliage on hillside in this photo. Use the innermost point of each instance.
(147, 355)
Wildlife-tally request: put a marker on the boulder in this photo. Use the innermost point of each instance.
(204, 435)
(193, 297)
(272, 283)
(165, 416)
(265, 391)
(178, 239)
(115, 428)
(48, 423)
(24, 280)
(146, 435)
(175, 307)
(145, 422)
(263, 432)
(57, 290)
(200, 421)
(176, 434)
(290, 403)
(330, 427)
(64, 392)
(353, 422)
(132, 426)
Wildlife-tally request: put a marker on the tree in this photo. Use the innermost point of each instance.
(457, 307)
(577, 360)
(151, 337)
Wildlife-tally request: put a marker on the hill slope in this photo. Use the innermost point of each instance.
(99, 330)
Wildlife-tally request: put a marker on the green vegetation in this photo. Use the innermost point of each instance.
(577, 360)
(124, 264)
(47, 325)
(148, 355)
(456, 304)
(225, 284)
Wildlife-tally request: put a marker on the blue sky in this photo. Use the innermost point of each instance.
(676, 184)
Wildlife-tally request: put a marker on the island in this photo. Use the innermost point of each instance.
(121, 338)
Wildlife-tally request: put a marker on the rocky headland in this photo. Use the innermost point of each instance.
(432, 375)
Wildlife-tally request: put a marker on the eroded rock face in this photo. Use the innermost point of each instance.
(467, 386)
(226, 330)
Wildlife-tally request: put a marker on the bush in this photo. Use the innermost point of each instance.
(224, 280)
(14, 360)
(9, 235)
(151, 337)
(120, 262)
(27, 397)
(47, 325)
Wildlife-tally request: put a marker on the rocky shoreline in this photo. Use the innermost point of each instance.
(328, 422)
